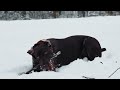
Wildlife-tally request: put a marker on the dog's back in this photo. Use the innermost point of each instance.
(78, 46)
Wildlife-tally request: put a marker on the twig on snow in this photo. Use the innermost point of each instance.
(87, 77)
(114, 72)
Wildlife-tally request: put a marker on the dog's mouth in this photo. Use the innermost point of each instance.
(41, 65)
(52, 65)
(47, 67)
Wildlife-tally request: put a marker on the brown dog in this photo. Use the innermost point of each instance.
(53, 53)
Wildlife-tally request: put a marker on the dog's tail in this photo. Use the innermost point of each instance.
(103, 49)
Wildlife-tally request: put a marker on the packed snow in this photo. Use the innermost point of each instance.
(18, 36)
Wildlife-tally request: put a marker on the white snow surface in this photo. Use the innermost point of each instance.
(16, 37)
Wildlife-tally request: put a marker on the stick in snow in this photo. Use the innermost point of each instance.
(30, 71)
(114, 72)
(87, 77)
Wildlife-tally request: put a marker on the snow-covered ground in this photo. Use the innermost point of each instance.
(16, 37)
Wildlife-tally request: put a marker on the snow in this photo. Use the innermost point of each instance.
(17, 37)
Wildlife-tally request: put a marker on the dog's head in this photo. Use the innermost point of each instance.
(41, 53)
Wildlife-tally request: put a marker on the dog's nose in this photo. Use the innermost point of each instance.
(30, 52)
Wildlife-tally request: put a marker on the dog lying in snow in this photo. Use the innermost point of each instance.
(52, 53)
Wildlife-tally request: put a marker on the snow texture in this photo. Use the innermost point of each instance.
(18, 36)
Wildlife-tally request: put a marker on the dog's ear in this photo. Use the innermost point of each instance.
(30, 51)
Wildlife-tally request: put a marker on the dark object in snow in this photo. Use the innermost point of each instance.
(101, 62)
(34, 68)
(69, 49)
(114, 72)
(87, 77)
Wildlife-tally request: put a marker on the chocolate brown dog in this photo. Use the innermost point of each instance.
(53, 53)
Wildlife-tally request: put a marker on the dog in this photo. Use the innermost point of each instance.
(52, 53)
